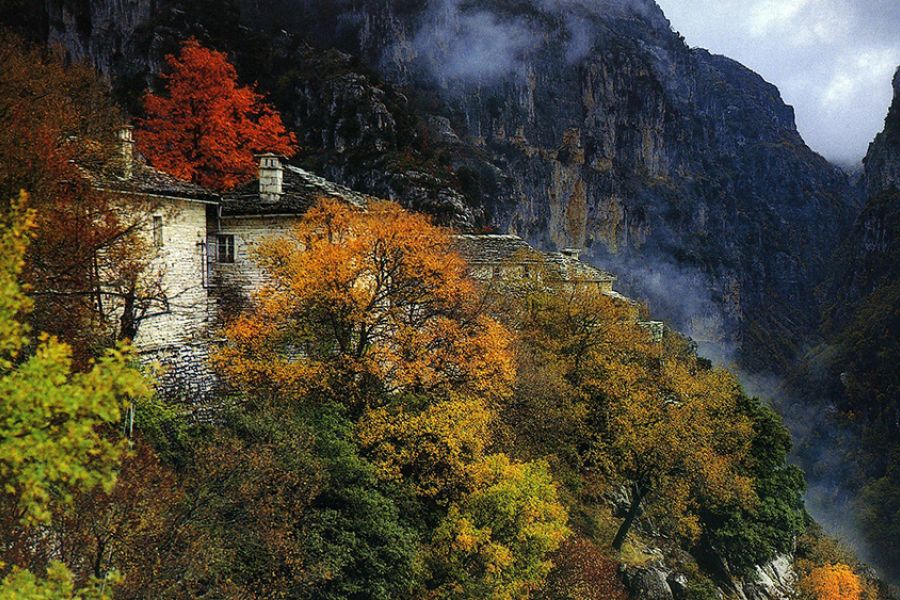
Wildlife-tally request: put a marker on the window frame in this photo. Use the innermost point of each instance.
(226, 241)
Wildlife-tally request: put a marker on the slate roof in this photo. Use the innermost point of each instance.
(301, 189)
(571, 268)
(147, 180)
(493, 249)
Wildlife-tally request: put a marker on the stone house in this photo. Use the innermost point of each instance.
(204, 241)
(268, 206)
(172, 326)
(202, 262)
(504, 260)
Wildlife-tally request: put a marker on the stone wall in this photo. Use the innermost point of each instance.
(173, 338)
(182, 314)
(184, 374)
(244, 276)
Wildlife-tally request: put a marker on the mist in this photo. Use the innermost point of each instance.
(686, 299)
(472, 45)
(464, 41)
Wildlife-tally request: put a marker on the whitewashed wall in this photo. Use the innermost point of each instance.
(244, 273)
(183, 317)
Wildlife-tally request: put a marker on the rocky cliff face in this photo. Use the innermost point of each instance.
(598, 128)
(882, 162)
(570, 123)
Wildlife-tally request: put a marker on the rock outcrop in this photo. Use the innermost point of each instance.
(882, 162)
(659, 581)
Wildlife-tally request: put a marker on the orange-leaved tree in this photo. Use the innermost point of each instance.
(57, 133)
(207, 127)
(364, 303)
(832, 582)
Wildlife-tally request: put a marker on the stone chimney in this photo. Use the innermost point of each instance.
(571, 252)
(125, 138)
(271, 177)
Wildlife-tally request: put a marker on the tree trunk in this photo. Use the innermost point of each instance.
(633, 510)
(128, 322)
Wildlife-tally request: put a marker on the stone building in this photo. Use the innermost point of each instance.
(203, 244)
(506, 260)
(172, 326)
(202, 263)
(268, 206)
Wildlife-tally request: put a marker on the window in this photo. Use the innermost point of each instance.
(157, 231)
(225, 248)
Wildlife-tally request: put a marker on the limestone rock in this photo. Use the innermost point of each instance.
(882, 162)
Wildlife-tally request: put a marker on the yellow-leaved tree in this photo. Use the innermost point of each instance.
(832, 582)
(366, 303)
(639, 408)
(496, 541)
(54, 423)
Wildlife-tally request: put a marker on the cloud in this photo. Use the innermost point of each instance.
(464, 40)
(472, 45)
(831, 59)
(769, 15)
(866, 70)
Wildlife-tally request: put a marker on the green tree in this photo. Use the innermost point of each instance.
(279, 504)
(21, 584)
(54, 423)
(748, 536)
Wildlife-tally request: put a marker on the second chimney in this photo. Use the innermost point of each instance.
(125, 139)
(271, 177)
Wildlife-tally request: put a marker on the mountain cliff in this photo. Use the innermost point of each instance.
(852, 373)
(882, 162)
(570, 123)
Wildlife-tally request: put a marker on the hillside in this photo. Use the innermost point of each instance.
(372, 433)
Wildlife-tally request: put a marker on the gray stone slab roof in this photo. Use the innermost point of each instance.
(491, 249)
(147, 180)
(301, 189)
(571, 268)
(494, 249)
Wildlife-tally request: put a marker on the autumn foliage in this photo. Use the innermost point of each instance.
(833, 582)
(206, 128)
(57, 130)
(644, 413)
(54, 426)
(366, 302)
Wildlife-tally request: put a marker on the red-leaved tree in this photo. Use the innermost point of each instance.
(207, 127)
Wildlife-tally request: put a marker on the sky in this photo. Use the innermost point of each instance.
(833, 60)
